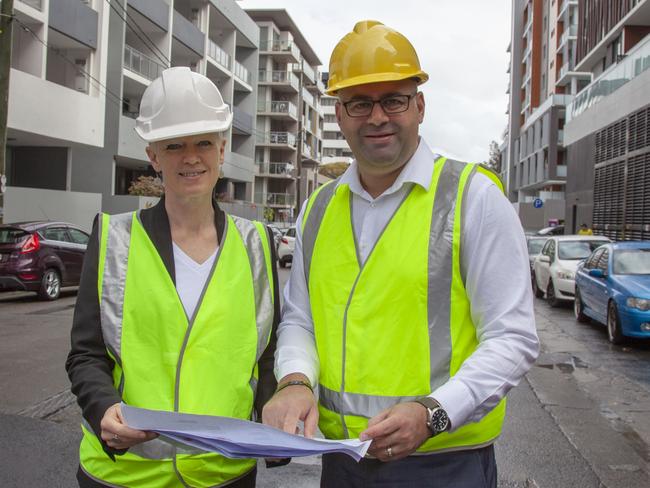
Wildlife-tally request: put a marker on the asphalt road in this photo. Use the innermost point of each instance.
(579, 419)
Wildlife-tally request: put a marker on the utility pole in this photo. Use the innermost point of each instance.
(299, 144)
(6, 33)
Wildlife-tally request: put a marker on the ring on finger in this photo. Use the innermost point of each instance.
(116, 438)
(389, 451)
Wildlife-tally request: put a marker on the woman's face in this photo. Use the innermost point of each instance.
(190, 165)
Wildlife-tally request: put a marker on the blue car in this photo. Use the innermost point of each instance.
(613, 288)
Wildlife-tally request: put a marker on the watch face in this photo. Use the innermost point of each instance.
(439, 420)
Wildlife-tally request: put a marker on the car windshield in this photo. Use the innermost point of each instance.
(573, 250)
(535, 245)
(12, 235)
(632, 262)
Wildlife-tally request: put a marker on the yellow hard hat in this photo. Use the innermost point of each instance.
(372, 53)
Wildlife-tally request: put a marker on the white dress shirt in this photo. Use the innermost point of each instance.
(494, 266)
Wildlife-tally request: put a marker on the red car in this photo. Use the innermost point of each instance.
(41, 257)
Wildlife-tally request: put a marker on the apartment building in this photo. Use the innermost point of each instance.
(335, 147)
(607, 133)
(543, 80)
(79, 69)
(289, 116)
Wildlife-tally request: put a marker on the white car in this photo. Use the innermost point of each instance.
(554, 269)
(286, 247)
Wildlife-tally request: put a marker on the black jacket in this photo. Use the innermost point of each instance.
(89, 367)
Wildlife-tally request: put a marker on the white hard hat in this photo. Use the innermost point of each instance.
(181, 103)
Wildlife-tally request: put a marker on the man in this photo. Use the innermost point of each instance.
(585, 230)
(176, 308)
(409, 300)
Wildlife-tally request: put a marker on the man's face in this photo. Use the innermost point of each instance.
(381, 142)
(190, 166)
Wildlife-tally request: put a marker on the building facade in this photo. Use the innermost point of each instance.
(289, 116)
(335, 147)
(79, 69)
(607, 133)
(543, 80)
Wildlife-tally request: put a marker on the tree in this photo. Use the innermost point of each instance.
(494, 161)
(147, 186)
(333, 170)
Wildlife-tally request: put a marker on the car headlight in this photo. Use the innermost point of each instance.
(640, 303)
(566, 275)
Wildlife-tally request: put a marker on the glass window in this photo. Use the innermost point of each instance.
(593, 259)
(535, 245)
(574, 250)
(602, 262)
(633, 261)
(55, 234)
(78, 237)
(291, 232)
(12, 235)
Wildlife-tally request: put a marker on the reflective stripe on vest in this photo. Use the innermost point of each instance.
(150, 337)
(428, 311)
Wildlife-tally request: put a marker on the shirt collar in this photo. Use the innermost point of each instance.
(418, 170)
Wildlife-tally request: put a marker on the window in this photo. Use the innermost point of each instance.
(593, 259)
(576, 250)
(328, 101)
(291, 232)
(55, 234)
(634, 261)
(330, 118)
(77, 236)
(602, 262)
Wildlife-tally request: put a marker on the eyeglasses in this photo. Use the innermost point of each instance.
(392, 104)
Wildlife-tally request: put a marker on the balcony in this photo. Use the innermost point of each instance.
(37, 4)
(279, 79)
(560, 138)
(278, 108)
(529, 23)
(275, 199)
(218, 55)
(564, 7)
(277, 170)
(570, 33)
(634, 64)
(242, 122)
(308, 97)
(560, 170)
(307, 70)
(188, 34)
(286, 139)
(240, 71)
(284, 50)
(141, 64)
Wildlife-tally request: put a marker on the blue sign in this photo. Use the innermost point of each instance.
(538, 203)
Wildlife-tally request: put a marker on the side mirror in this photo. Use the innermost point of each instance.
(596, 273)
(544, 259)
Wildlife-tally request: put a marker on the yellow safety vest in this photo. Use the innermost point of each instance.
(399, 326)
(164, 360)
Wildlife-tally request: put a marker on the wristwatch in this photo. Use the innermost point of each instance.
(437, 418)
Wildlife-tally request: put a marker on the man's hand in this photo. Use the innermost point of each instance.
(115, 432)
(291, 404)
(402, 428)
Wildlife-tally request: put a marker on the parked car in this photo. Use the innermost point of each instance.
(555, 266)
(554, 230)
(286, 247)
(613, 288)
(277, 235)
(535, 244)
(41, 257)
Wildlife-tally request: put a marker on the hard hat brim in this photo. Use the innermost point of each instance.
(420, 76)
(184, 130)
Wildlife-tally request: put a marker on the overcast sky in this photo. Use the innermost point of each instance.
(461, 45)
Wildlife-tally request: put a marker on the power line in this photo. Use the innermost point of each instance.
(166, 63)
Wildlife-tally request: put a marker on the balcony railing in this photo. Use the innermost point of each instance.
(37, 4)
(277, 107)
(141, 64)
(280, 169)
(218, 54)
(265, 76)
(280, 46)
(572, 31)
(275, 199)
(285, 138)
(636, 62)
(307, 97)
(241, 72)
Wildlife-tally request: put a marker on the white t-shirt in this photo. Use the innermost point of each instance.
(191, 278)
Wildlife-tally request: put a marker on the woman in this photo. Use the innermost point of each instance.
(177, 306)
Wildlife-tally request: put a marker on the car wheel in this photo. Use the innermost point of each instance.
(550, 295)
(614, 333)
(536, 290)
(50, 285)
(578, 309)
(283, 264)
